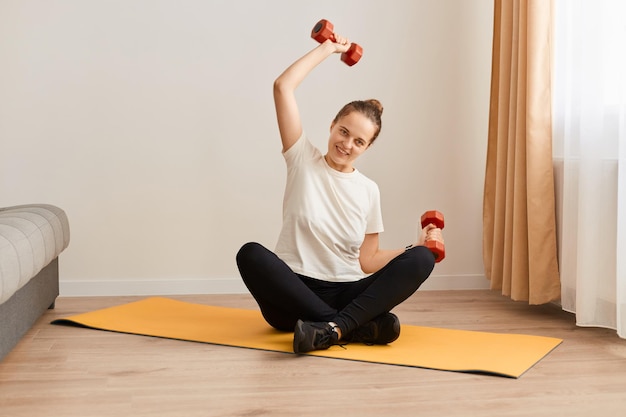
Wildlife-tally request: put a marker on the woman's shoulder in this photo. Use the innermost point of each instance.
(365, 179)
(302, 148)
(366, 183)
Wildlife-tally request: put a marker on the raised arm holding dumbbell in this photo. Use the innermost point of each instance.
(287, 112)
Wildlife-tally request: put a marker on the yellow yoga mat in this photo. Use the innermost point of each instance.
(445, 349)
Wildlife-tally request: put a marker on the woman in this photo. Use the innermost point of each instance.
(328, 280)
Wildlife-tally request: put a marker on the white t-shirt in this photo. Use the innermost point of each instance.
(326, 214)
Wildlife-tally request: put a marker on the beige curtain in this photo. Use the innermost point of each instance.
(519, 226)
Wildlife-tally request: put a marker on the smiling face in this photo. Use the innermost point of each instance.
(349, 137)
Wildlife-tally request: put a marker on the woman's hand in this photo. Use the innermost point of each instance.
(430, 232)
(341, 44)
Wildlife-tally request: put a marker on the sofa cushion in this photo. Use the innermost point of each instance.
(31, 236)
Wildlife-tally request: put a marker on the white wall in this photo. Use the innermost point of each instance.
(151, 123)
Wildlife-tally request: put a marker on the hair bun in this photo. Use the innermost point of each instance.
(376, 103)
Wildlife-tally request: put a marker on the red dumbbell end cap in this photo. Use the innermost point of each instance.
(433, 216)
(352, 55)
(322, 31)
(437, 248)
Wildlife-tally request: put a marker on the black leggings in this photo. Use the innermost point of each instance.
(284, 296)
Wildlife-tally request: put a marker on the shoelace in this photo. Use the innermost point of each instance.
(326, 339)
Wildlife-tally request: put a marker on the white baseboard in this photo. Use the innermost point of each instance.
(225, 286)
(152, 287)
(455, 282)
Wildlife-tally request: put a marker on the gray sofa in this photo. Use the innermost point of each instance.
(31, 239)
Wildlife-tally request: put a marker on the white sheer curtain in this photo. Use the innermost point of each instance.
(589, 123)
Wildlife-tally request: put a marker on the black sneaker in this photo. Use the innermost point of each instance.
(309, 336)
(381, 330)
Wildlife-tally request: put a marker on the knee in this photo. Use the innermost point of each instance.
(248, 252)
(425, 259)
(423, 262)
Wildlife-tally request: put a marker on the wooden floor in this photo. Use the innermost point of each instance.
(65, 371)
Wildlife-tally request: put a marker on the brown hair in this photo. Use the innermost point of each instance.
(372, 109)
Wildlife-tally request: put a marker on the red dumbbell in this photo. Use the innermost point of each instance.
(323, 30)
(437, 248)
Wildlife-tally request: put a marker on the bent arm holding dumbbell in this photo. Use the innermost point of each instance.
(372, 258)
(287, 113)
